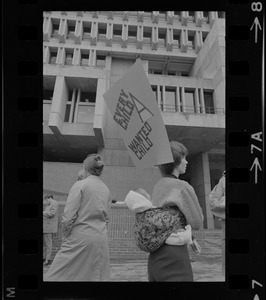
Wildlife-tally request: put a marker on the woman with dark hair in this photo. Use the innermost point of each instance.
(84, 254)
(169, 262)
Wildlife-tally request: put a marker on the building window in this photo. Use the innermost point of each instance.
(208, 102)
(147, 32)
(176, 37)
(117, 32)
(221, 14)
(132, 33)
(53, 56)
(102, 27)
(86, 30)
(157, 72)
(69, 56)
(191, 36)
(162, 36)
(55, 27)
(170, 99)
(177, 14)
(100, 61)
(85, 55)
(171, 73)
(189, 101)
(71, 25)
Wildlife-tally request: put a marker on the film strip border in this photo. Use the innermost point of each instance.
(245, 277)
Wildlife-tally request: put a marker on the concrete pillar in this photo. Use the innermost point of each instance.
(139, 37)
(63, 31)
(183, 100)
(198, 41)
(76, 57)
(72, 106)
(196, 95)
(47, 29)
(198, 18)
(140, 16)
(170, 17)
(184, 18)
(110, 15)
(109, 34)
(92, 58)
(124, 35)
(61, 56)
(202, 101)
(159, 96)
(58, 107)
(78, 32)
(154, 38)
(163, 96)
(183, 41)
(201, 182)
(46, 55)
(212, 16)
(169, 39)
(77, 106)
(178, 104)
(125, 15)
(155, 16)
(94, 33)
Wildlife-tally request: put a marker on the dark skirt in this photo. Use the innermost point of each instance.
(170, 263)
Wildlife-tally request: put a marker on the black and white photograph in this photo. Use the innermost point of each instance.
(134, 146)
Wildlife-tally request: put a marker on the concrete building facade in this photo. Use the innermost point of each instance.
(86, 52)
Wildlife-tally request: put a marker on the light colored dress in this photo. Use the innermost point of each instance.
(84, 254)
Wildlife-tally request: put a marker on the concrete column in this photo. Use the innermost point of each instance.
(124, 35)
(170, 17)
(163, 96)
(184, 18)
(47, 29)
(212, 16)
(201, 182)
(58, 107)
(61, 56)
(154, 38)
(198, 18)
(178, 99)
(198, 41)
(110, 15)
(183, 41)
(95, 14)
(196, 95)
(92, 58)
(94, 33)
(77, 106)
(140, 16)
(78, 32)
(159, 96)
(109, 34)
(169, 39)
(183, 100)
(125, 15)
(62, 31)
(46, 55)
(76, 57)
(202, 101)
(72, 106)
(155, 16)
(139, 37)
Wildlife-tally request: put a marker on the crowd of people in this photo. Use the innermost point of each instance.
(163, 227)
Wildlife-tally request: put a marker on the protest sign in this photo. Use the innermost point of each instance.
(133, 108)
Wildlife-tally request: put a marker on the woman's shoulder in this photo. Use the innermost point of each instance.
(173, 182)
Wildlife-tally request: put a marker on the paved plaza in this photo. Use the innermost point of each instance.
(206, 266)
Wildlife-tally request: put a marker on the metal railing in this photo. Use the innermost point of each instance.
(191, 109)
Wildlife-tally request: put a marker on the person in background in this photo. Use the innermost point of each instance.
(217, 206)
(50, 226)
(169, 262)
(84, 253)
